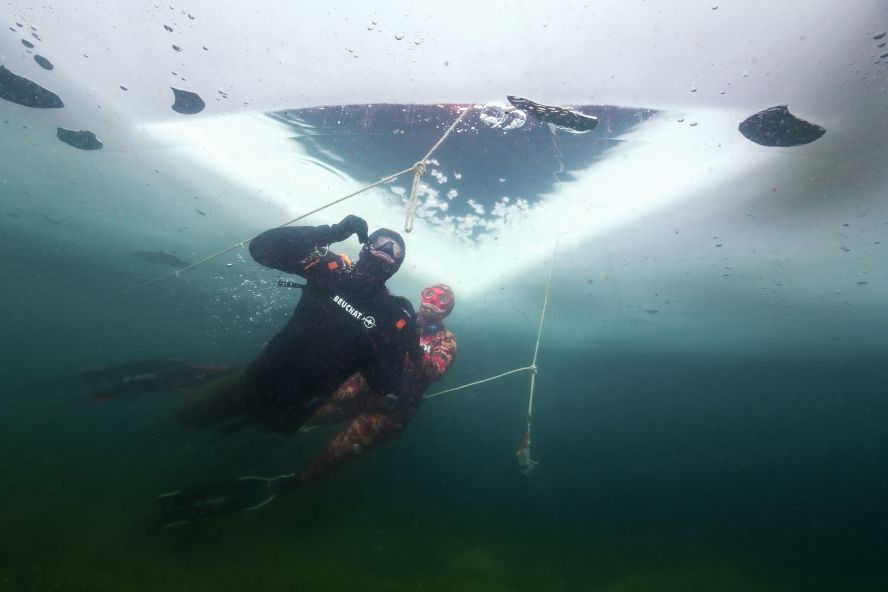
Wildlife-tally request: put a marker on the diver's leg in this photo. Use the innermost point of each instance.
(131, 377)
(350, 400)
(146, 375)
(364, 432)
(224, 398)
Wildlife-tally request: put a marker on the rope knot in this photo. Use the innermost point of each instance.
(420, 168)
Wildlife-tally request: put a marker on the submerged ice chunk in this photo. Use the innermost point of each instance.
(776, 126)
(43, 62)
(22, 91)
(83, 139)
(187, 102)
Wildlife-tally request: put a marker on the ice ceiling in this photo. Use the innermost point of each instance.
(675, 204)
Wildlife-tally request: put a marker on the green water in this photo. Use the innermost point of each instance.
(656, 474)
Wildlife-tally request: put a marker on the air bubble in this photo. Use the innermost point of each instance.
(493, 115)
(517, 118)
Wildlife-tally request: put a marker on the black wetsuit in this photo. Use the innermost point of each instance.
(344, 323)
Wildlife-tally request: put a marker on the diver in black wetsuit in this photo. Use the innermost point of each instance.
(346, 321)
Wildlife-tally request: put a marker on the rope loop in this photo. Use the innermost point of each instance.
(419, 169)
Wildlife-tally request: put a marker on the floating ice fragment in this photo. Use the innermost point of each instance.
(876, 36)
(27, 43)
(22, 91)
(83, 139)
(399, 36)
(43, 62)
(168, 28)
(776, 126)
(187, 102)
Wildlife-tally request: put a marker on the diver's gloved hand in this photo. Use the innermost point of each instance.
(283, 484)
(348, 226)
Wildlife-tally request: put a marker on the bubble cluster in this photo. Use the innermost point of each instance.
(495, 116)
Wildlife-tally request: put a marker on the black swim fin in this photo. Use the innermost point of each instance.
(558, 116)
(240, 495)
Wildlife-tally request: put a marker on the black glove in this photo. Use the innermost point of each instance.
(348, 226)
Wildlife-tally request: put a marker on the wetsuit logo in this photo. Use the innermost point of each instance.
(369, 322)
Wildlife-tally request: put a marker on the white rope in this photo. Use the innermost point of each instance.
(457, 388)
(418, 169)
(528, 465)
(536, 349)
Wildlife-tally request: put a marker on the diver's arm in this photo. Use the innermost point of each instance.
(290, 248)
(436, 363)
